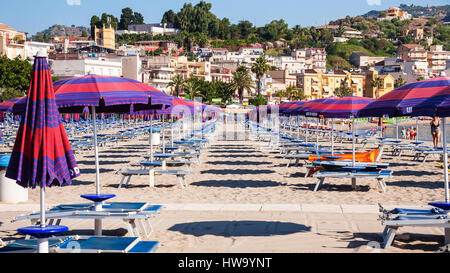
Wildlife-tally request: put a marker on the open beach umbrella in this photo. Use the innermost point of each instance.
(438, 105)
(42, 155)
(7, 106)
(400, 101)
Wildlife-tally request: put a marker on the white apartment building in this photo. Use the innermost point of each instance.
(32, 48)
(81, 67)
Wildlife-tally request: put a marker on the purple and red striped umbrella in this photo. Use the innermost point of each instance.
(345, 107)
(7, 106)
(42, 154)
(401, 101)
(107, 94)
(292, 107)
(309, 108)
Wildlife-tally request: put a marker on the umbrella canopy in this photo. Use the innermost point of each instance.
(401, 101)
(292, 107)
(438, 104)
(345, 107)
(310, 108)
(107, 94)
(42, 155)
(7, 106)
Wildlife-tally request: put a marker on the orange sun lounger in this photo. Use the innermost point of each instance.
(370, 156)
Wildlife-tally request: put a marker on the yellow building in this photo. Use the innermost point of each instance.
(370, 89)
(105, 37)
(12, 42)
(316, 84)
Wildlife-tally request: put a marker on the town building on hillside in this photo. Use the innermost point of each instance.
(32, 48)
(395, 13)
(153, 29)
(12, 42)
(81, 66)
(416, 33)
(362, 60)
(105, 36)
(317, 84)
(316, 58)
(348, 32)
(437, 59)
(371, 90)
(413, 52)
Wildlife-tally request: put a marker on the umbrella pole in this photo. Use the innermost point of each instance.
(444, 135)
(171, 130)
(353, 141)
(396, 128)
(151, 137)
(332, 137)
(417, 129)
(97, 222)
(317, 135)
(97, 168)
(164, 134)
(42, 242)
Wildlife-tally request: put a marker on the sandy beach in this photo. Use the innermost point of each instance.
(242, 198)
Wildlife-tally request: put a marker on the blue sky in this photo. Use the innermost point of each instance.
(33, 16)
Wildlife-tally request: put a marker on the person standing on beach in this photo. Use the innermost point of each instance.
(435, 130)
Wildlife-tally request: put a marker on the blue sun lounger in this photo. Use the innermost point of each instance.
(434, 216)
(84, 244)
(136, 216)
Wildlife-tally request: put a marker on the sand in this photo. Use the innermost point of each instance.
(235, 181)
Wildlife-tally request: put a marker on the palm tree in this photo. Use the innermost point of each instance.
(376, 83)
(177, 84)
(192, 88)
(399, 82)
(242, 81)
(260, 68)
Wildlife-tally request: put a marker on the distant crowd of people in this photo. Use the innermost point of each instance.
(410, 133)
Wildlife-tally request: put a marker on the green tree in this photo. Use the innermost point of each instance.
(399, 82)
(242, 81)
(169, 17)
(15, 75)
(126, 18)
(176, 83)
(192, 87)
(258, 101)
(260, 68)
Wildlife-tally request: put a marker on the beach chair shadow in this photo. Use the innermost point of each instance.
(239, 228)
(236, 183)
(237, 172)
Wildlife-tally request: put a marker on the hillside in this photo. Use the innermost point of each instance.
(60, 30)
(438, 12)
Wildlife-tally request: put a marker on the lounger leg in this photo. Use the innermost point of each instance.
(180, 181)
(319, 183)
(128, 181)
(447, 235)
(129, 228)
(152, 178)
(354, 183)
(121, 181)
(382, 185)
(389, 238)
(296, 162)
(289, 163)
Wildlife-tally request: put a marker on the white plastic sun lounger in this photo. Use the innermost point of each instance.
(180, 174)
(84, 244)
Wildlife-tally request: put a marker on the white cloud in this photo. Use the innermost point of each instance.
(373, 2)
(73, 2)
